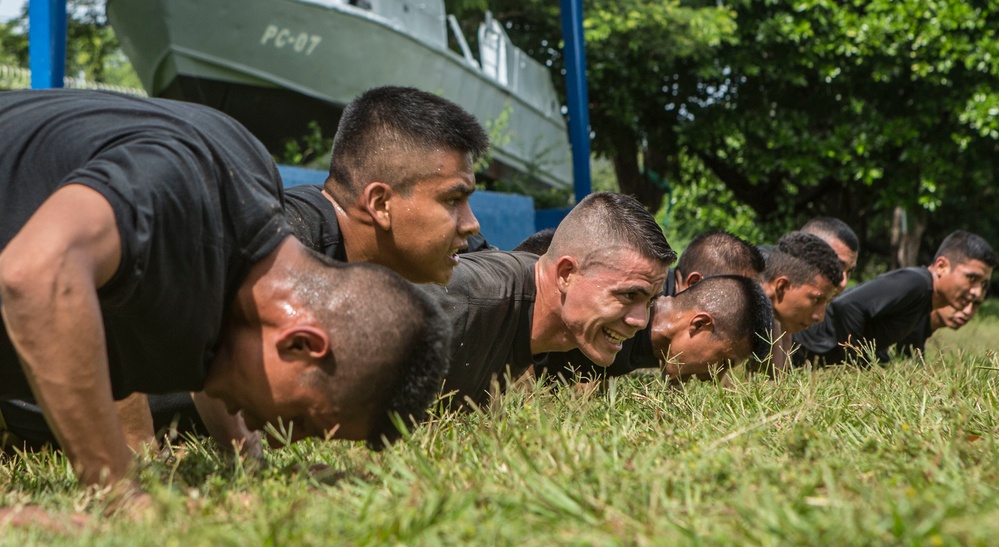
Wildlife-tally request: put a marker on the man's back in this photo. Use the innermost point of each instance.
(882, 311)
(490, 303)
(179, 178)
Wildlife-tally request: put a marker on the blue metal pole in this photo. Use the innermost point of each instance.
(47, 43)
(575, 77)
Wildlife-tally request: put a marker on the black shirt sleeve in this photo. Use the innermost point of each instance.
(871, 316)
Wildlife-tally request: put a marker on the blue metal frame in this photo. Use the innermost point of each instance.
(47, 43)
(575, 81)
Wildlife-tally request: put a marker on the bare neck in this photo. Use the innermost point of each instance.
(548, 331)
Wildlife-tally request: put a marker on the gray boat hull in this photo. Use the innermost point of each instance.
(277, 64)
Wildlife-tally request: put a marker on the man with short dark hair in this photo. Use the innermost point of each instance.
(843, 240)
(509, 308)
(143, 249)
(401, 172)
(801, 278)
(714, 253)
(884, 311)
(699, 332)
(707, 255)
(397, 195)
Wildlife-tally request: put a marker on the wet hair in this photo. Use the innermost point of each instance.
(389, 353)
(834, 228)
(385, 131)
(537, 243)
(960, 247)
(801, 257)
(608, 220)
(739, 306)
(720, 253)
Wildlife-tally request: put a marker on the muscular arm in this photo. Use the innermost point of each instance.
(49, 275)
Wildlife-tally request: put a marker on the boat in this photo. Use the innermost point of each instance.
(277, 65)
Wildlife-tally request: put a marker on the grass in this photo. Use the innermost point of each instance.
(905, 454)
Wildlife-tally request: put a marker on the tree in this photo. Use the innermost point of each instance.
(633, 50)
(92, 49)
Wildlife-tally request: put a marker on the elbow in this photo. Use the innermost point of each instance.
(21, 276)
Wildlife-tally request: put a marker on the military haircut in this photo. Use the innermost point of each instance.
(834, 228)
(384, 131)
(800, 257)
(740, 308)
(389, 342)
(960, 247)
(608, 220)
(720, 253)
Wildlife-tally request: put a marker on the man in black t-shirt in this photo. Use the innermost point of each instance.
(401, 172)
(699, 332)
(402, 169)
(947, 316)
(509, 309)
(803, 274)
(143, 249)
(877, 314)
(696, 334)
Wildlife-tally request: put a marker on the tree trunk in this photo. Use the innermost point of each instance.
(631, 179)
(906, 234)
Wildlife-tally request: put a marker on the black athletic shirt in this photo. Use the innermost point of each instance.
(313, 219)
(490, 303)
(197, 201)
(882, 311)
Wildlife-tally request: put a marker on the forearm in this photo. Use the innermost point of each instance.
(49, 275)
(70, 379)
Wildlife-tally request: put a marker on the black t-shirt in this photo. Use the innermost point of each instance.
(882, 312)
(197, 202)
(313, 220)
(490, 304)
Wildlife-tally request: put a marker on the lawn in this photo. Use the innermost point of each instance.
(903, 454)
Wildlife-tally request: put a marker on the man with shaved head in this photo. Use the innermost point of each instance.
(714, 253)
(509, 309)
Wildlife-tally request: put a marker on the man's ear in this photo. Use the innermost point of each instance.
(565, 268)
(940, 266)
(693, 279)
(303, 343)
(700, 322)
(781, 285)
(376, 200)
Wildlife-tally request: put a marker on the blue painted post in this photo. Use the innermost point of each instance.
(47, 43)
(575, 78)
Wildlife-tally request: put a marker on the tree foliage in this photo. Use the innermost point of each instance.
(93, 52)
(796, 107)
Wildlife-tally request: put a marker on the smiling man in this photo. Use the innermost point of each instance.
(508, 309)
(887, 309)
(698, 332)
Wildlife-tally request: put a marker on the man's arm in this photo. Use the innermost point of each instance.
(49, 275)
